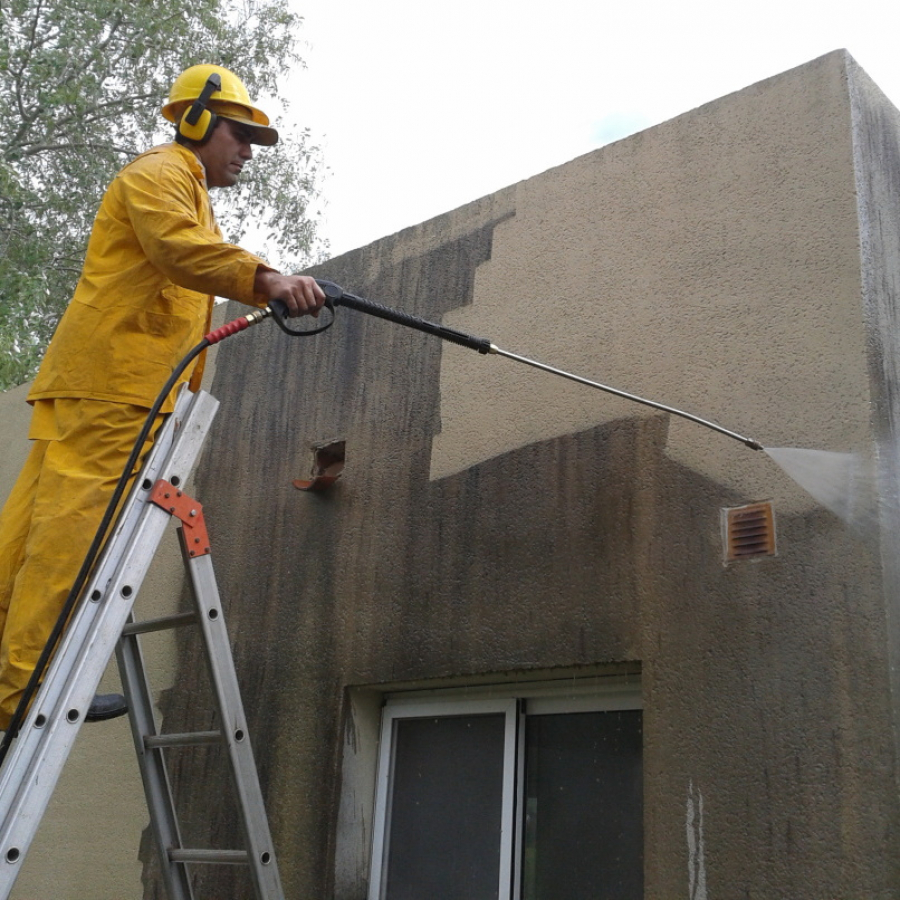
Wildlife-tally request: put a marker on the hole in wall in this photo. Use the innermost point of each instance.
(327, 466)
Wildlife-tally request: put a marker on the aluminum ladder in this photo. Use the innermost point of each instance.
(102, 623)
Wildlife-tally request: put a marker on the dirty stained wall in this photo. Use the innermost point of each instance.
(494, 523)
(877, 166)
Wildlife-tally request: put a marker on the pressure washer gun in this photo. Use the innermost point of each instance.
(336, 296)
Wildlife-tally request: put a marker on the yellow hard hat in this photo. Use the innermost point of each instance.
(202, 93)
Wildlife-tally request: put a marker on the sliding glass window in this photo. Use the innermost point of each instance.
(524, 797)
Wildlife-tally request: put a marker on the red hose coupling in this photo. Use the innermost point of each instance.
(233, 327)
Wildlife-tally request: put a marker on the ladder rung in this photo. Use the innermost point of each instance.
(226, 857)
(193, 738)
(161, 624)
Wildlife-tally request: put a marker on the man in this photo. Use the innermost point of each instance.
(155, 261)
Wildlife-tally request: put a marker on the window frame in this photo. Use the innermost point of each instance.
(516, 702)
(415, 708)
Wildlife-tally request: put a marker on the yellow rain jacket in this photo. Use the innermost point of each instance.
(155, 260)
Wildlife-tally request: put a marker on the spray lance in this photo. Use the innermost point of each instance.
(337, 296)
(844, 483)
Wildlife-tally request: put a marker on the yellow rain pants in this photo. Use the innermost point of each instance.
(48, 523)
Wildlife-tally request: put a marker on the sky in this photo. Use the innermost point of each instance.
(420, 107)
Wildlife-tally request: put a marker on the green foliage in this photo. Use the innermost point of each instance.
(81, 85)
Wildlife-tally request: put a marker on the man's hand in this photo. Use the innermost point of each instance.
(300, 293)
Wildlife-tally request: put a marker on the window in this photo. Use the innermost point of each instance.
(536, 796)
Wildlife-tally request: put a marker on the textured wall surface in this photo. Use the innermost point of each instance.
(494, 522)
(876, 129)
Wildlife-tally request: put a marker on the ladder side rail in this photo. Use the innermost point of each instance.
(233, 722)
(36, 759)
(85, 613)
(154, 774)
(82, 623)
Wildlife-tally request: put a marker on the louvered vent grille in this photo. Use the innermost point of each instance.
(749, 531)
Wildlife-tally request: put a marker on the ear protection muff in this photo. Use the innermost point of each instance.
(198, 122)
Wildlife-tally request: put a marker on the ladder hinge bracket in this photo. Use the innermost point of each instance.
(188, 511)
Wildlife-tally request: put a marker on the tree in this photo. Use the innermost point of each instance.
(81, 85)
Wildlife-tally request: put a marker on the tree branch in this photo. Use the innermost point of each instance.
(87, 145)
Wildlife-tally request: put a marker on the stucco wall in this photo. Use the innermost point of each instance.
(876, 129)
(496, 523)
